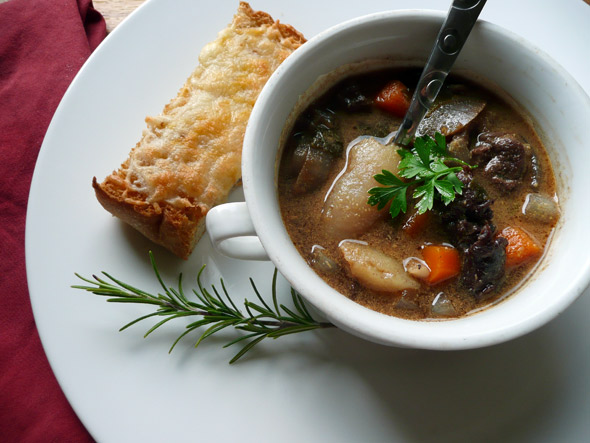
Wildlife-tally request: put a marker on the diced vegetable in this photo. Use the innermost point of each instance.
(416, 224)
(443, 261)
(416, 268)
(407, 302)
(322, 262)
(521, 246)
(394, 98)
(375, 270)
(442, 306)
(540, 208)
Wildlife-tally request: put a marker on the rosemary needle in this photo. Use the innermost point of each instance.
(213, 309)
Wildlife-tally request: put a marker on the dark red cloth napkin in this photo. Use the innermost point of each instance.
(43, 44)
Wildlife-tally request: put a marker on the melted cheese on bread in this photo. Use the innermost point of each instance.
(189, 157)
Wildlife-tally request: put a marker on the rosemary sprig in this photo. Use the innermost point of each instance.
(259, 322)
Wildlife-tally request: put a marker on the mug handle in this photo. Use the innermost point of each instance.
(232, 233)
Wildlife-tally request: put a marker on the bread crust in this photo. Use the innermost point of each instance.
(188, 158)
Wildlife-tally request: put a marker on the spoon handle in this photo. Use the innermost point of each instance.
(450, 40)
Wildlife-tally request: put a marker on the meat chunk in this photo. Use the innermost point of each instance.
(503, 157)
(483, 263)
(465, 217)
(468, 221)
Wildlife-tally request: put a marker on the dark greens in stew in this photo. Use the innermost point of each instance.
(458, 220)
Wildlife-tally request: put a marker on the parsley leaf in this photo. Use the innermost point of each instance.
(393, 190)
(440, 145)
(423, 147)
(425, 168)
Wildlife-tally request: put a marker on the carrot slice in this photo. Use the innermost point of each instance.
(416, 224)
(394, 98)
(443, 261)
(521, 246)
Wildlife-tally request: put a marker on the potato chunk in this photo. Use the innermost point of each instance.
(346, 212)
(375, 270)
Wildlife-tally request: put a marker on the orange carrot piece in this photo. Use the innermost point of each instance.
(443, 261)
(521, 246)
(416, 224)
(394, 98)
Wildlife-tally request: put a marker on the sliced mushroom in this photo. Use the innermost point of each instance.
(375, 270)
(346, 212)
(451, 116)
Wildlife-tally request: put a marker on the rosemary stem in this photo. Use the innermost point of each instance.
(268, 320)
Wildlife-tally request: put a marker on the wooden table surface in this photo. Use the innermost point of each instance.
(116, 10)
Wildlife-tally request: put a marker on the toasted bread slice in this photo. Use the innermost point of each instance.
(188, 158)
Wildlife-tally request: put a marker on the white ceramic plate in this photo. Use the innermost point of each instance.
(324, 386)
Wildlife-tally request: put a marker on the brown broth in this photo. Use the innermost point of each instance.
(302, 213)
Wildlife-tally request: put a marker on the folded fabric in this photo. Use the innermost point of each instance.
(43, 44)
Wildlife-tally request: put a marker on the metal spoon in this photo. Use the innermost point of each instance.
(450, 40)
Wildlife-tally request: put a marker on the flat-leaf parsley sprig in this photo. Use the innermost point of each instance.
(259, 321)
(425, 168)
